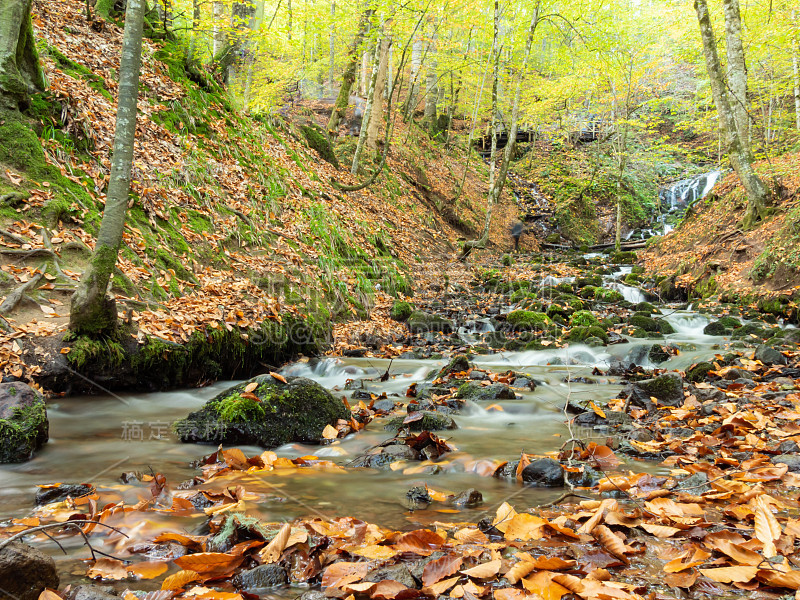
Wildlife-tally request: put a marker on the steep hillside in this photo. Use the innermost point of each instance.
(710, 254)
(234, 223)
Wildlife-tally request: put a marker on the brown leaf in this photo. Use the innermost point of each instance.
(685, 579)
(485, 570)
(108, 568)
(737, 574)
(436, 570)
(49, 595)
(421, 541)
(272, 552)
(542, 585)
(251, 386)
(524, 527)
(148, 570)
(279, 377)
(209, 564)
(179, 580)
(767, 527)
(611, 542)
(342, 573)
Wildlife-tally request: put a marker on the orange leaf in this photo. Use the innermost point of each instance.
(209, 564)
(484, 571)
(436, 570)
(251, 386)
(279, 377)
(275, 548)
(148, 570)
(108, 568)
(179, 580)
(737, 574)
(767, 527)
(420, 541)
(611, 542)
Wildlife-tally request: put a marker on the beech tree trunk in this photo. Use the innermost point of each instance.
(757, 193)
(332, 50)
(796, 69)
(431, 89)
(93, 312)
(380, 85)
(340, 107)
(497, 181)
(219, 37)
(368, 111)
(737, 71)
(20, 73)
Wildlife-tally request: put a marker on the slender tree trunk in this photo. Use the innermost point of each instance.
(368, 111)
(289, 18)
(332, 51)
(737, 71)
(195, 28)
(756, 190)
(416, 65)
(380, 86)
(342, 100)
(498, 182)
(92, 311)
(796, 69)
(431, 89)
(220, 22)
(20, 73)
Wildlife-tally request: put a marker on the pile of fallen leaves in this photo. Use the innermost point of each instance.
(640, 535)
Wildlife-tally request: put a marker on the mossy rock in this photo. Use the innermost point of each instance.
(318, 141)
(506, 260)
(426, 421)
(476, 392)
(582, 334)
(594, 281)
(699, 371)
(624, 258)
(657, 354)
(421, 322)
(458, 364)
(642, 322)
(608, 296)
(295, 411)
(646, 307)
(588, 292)
(717, 328)
(583, 318)
(525, 320)
(401, 311)
(23, 422)
(731, 322)
(746, 332)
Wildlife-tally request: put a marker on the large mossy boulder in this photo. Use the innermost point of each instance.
(23, 422)
(272, 414)
(667, 389)
(478, 393)
(422, 322)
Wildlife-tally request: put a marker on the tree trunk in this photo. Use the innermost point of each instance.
(332, 51)
(218, 15)
(20, 73)
(431, 90)
(380, 86)
(737, 72)
(340, 107)
(498, 182)
(195, 28)
(756, 191)
(92, 311)
(416, 65)
(368, 111)
(796, 69)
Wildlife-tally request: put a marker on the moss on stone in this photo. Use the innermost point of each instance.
(583, 318)
(527, 319)
(400, 310)
(581, 334)
(318, 141)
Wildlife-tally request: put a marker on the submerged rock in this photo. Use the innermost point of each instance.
(423, 420)
(23, 422)
(61, 492)
(263, 576)
(25, 572)
(544, 472)
(295, 411)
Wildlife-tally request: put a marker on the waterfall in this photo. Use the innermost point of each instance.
(681, 194)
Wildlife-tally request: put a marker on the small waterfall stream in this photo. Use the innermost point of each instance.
(679, 195)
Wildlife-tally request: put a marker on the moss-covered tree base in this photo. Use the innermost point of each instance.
(120, 362)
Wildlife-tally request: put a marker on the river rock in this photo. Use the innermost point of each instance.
(92, 592)
(544, 472)
(25, 572)
(790, 460)
(424, 420)
(667, 389)
(23, 422)
(422, 322)
(467, 499)
(398, 573)
(769, 356)
(478, 393)
(295, 411)
(263, 576)
(383, 457)
(61, 492)
(698, 372)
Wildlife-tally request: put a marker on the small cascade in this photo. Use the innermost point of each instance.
(631, 294)
(679, 195)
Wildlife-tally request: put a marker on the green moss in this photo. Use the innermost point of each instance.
(401, 310)
(236, 409)
(527, 319)
(698, 372)
(580, 334)
(608, 296)
(21, 433)
(506, 260)
(85, 349)
(318, 141)
(583, 318)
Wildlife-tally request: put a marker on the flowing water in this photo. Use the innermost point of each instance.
(96, 438)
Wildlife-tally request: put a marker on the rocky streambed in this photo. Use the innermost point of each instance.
(528, 381)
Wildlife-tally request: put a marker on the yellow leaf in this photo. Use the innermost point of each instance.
(484, 571)
(272, 552)
(737, 574)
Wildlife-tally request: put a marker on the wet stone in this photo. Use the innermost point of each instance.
(468, 498)
(62, 492)
(264, 576)
(788, 447)
(544, 472)
(25, 572)
(791, 460)
(399, 573)
(769, 356)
